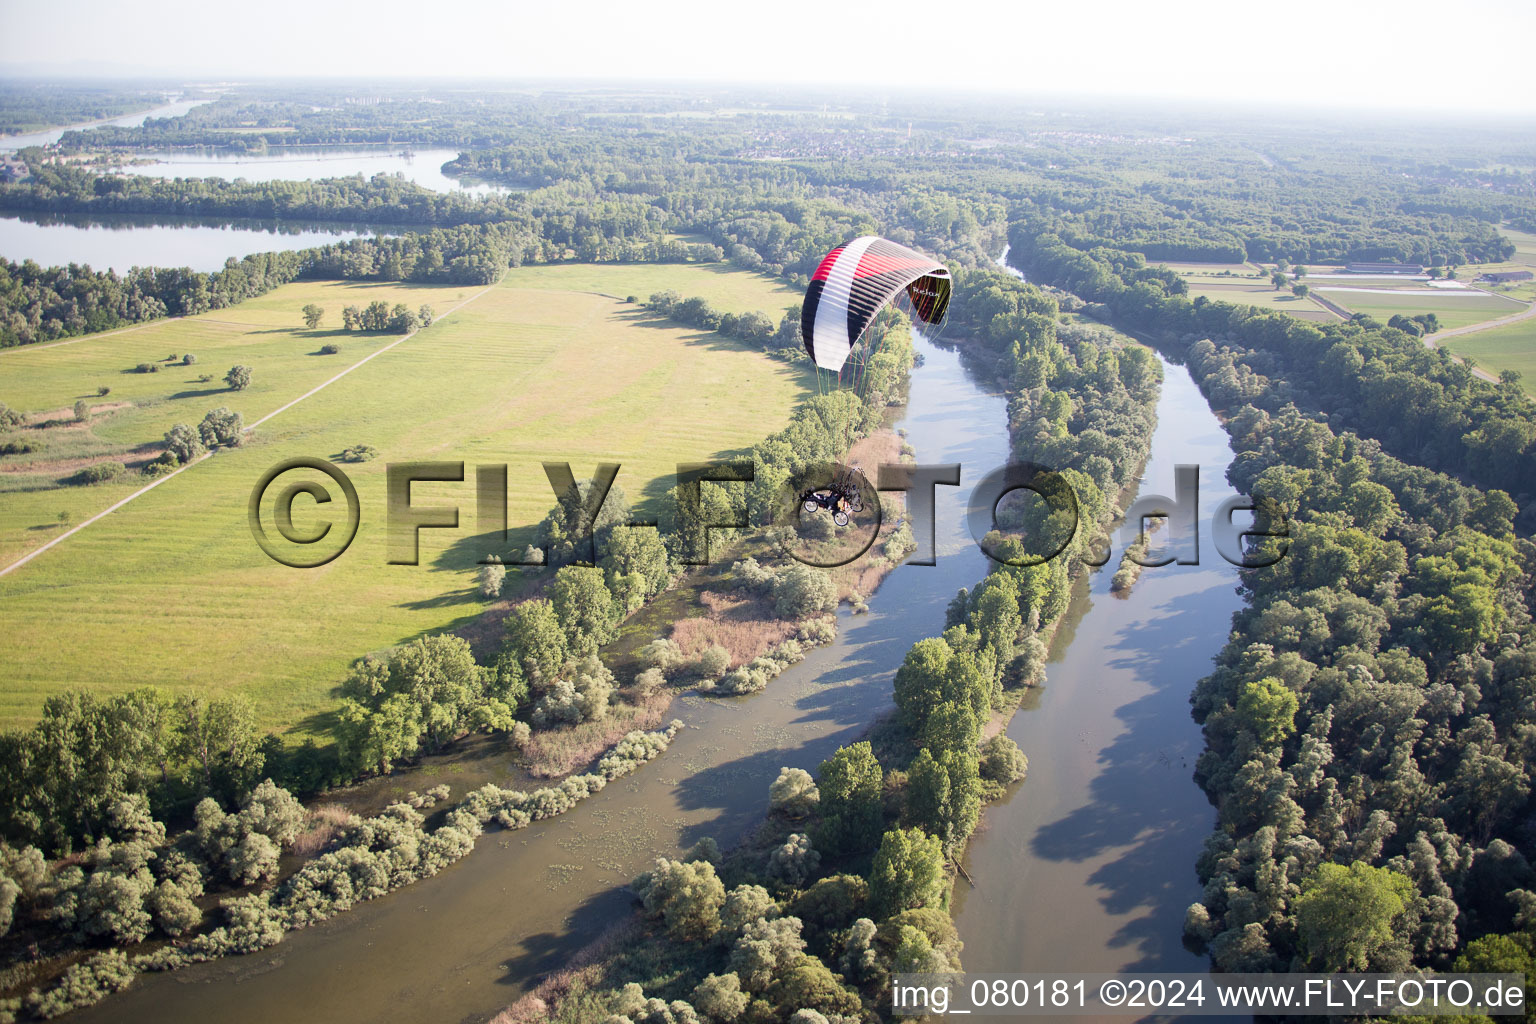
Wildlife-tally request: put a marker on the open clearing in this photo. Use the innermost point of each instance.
(539, 368)
(1511, 347)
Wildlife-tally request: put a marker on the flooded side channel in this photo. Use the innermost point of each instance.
(1090, 864)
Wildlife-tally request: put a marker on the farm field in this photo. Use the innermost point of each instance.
(1452, 310)
(154, 587)
(1260, 293)
(1511, 347)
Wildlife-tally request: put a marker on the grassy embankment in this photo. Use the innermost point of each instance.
(548, 365)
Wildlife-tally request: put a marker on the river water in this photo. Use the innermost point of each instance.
(52, 135)
(1087, 866)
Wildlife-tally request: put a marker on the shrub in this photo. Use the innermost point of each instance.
(9, 417)
(238, 378)
(490, 577)
(147, 368)
(795, 862)
(82, 411)
(359, 453)
(16, 447)
(184, 444)
(712, 661)
(581, 697)
(329, 349)
(84, 984)
(793, 793)
(687, 897)
(804, 591)
(103, 391)
(100, 473)
(662, 655)
(719, 996)
(1002, 761)
(222, 428)
(188, 359)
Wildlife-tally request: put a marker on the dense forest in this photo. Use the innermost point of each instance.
(28, 107)
(1368, 725)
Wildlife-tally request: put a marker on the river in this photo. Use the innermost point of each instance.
(1088, 865)
(9, 143)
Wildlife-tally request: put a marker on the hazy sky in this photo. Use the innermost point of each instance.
(1368, 54)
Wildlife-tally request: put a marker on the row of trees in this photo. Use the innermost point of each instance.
(42, 304)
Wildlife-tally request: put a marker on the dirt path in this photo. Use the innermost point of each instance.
(1434, 341)
(24, 559)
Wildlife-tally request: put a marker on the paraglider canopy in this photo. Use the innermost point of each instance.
(851, 285)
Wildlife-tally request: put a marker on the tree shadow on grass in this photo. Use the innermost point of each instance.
(201, 392)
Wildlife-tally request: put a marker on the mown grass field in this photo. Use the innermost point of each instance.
(1255, 292)
(172, 590)
(266, 334)
(1453, 311)
(1511, 347)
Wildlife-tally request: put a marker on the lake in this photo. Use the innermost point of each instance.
(423, 166)
(123, 242)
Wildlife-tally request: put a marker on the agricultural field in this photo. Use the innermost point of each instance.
(1523, 259)
(1511, 347)
(1255, 292)
(508, 379)
(1453, 310)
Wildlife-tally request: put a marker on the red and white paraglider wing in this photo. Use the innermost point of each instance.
(851, 285)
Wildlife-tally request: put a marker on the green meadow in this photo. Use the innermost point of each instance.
(1453, 311)
(1511, 347)
(172, 590)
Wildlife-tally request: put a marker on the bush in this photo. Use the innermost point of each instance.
(100, 473)
(238, 378)
(329, 349)
(359, 453)
(687, 897)
(103, 391)
(9, 417)
(188, 359)
(662, 655)
(184, 444)
(803, 591)
(1002, 761)
(490, 577)
(795, 862)
(82, 411)
(84, 984)
(712, 661)
(793, 793)
(16, 447)
(222, 428)
(147, 368)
